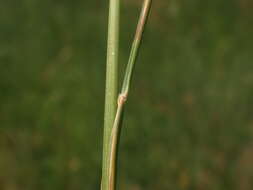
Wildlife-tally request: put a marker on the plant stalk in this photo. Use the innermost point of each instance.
(115, 133)
(111, 85)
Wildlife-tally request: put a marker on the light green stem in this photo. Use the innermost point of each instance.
(111, 85)
(115, 133)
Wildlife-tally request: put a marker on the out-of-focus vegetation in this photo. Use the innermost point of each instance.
(190, 114)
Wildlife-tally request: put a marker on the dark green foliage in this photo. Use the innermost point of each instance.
(189, 122)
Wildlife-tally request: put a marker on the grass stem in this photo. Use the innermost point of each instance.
(115, 133)
(111, 85)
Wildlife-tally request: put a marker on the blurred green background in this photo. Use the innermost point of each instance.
(189, 118)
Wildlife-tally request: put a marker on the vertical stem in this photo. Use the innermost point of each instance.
(111, 85)
(115, 132)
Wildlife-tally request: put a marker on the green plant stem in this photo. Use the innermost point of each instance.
(111, 85)
(135, 46)
(115, 133)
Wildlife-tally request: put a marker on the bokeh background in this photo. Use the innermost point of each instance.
(189, 118)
